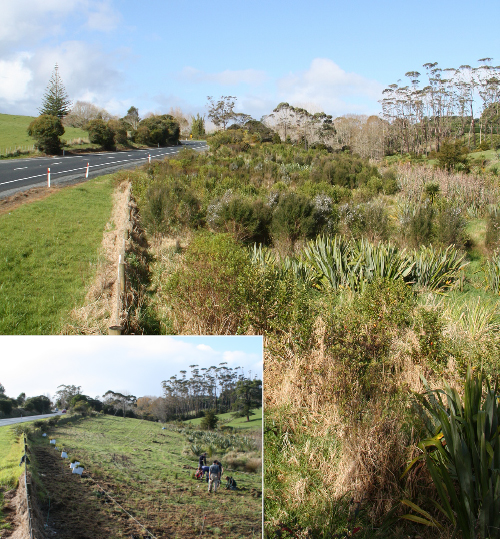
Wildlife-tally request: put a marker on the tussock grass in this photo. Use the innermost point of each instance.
(48, 256)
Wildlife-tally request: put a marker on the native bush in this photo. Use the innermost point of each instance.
(209, 293)
(100, 133)
(119, 129)
(46, 131)
(163, 129)
(462, 456)
(453, 155)
(450, 226)
(142, 135)
(294, 218)
(418, 227)
(492, 239)
(492, 273)
(169, 205)
(247, 220)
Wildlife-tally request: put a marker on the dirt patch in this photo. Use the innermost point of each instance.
(16, 200)
(72, 508)
(16, 510)
(102, 308)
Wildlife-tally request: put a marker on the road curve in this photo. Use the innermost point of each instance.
(14, 420)
(21, 174)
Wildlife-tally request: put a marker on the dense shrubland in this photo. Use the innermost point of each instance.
(362, 278)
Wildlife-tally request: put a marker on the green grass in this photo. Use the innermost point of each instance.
(11, 451)
(227, 420)
(13, 132)
(48, 255)
(150, 472)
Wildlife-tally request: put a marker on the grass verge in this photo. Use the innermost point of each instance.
(48, 255)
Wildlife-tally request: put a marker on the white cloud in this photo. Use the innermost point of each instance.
(104, 18)
(88, 74)
(14, 78)
(228, 77)
(328, 87)
(98, 364)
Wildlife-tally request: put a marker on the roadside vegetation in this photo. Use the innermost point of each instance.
(363, 277)
(49, 252)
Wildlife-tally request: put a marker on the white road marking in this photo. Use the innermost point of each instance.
(21, 168)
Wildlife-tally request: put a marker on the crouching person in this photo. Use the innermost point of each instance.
(213, 476)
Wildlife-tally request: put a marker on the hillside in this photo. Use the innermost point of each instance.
(240, 423)
(13, 133)
(140, 468)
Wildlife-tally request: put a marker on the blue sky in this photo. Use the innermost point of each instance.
(136, 365)
(335, 56)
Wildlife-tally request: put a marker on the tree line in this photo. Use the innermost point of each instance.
(459, 103)
(215, 390)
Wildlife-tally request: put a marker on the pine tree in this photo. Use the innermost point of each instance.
(55, 100)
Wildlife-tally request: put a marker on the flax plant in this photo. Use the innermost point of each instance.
(463, 457)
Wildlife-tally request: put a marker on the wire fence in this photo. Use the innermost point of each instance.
(13, 151)
(16, 150)
(27, 486)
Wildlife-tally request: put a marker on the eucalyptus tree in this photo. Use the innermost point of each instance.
(123, 400)
(221, 112)
(284, 116)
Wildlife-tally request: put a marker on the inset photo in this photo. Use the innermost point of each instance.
(136, 437)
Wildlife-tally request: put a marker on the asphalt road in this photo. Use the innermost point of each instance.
(21, 174)
(14, 420)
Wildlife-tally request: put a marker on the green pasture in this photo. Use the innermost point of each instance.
(227, 420)
(13, 132)
(48, 256)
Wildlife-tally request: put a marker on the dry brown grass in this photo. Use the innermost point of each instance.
(101, 308)
(466, 190)
(373, 448)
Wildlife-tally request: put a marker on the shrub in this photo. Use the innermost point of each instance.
(451, 154)
(119, 129)
(450, 226)
(294, 218)
(46, 131)
(5, 405)
(163, 129)
(100, 133)
(245, 219)
(170, 205)
(209, 420)
(209, 294)
(419, 227)
(492, 239)
(142, 135)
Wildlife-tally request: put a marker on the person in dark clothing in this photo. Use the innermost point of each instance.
(203, 460)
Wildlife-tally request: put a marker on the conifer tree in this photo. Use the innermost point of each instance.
(55, 100)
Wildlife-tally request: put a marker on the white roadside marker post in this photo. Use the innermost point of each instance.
(87, 172)
(48, 177)
(149, 157)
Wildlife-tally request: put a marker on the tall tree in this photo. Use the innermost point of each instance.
(248, 398)
(55, 100)
(221, 112)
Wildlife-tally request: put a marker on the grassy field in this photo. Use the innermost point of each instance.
(48, 255)
(13, 132)
(145, 469)
(227, 420)
(11, 450)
